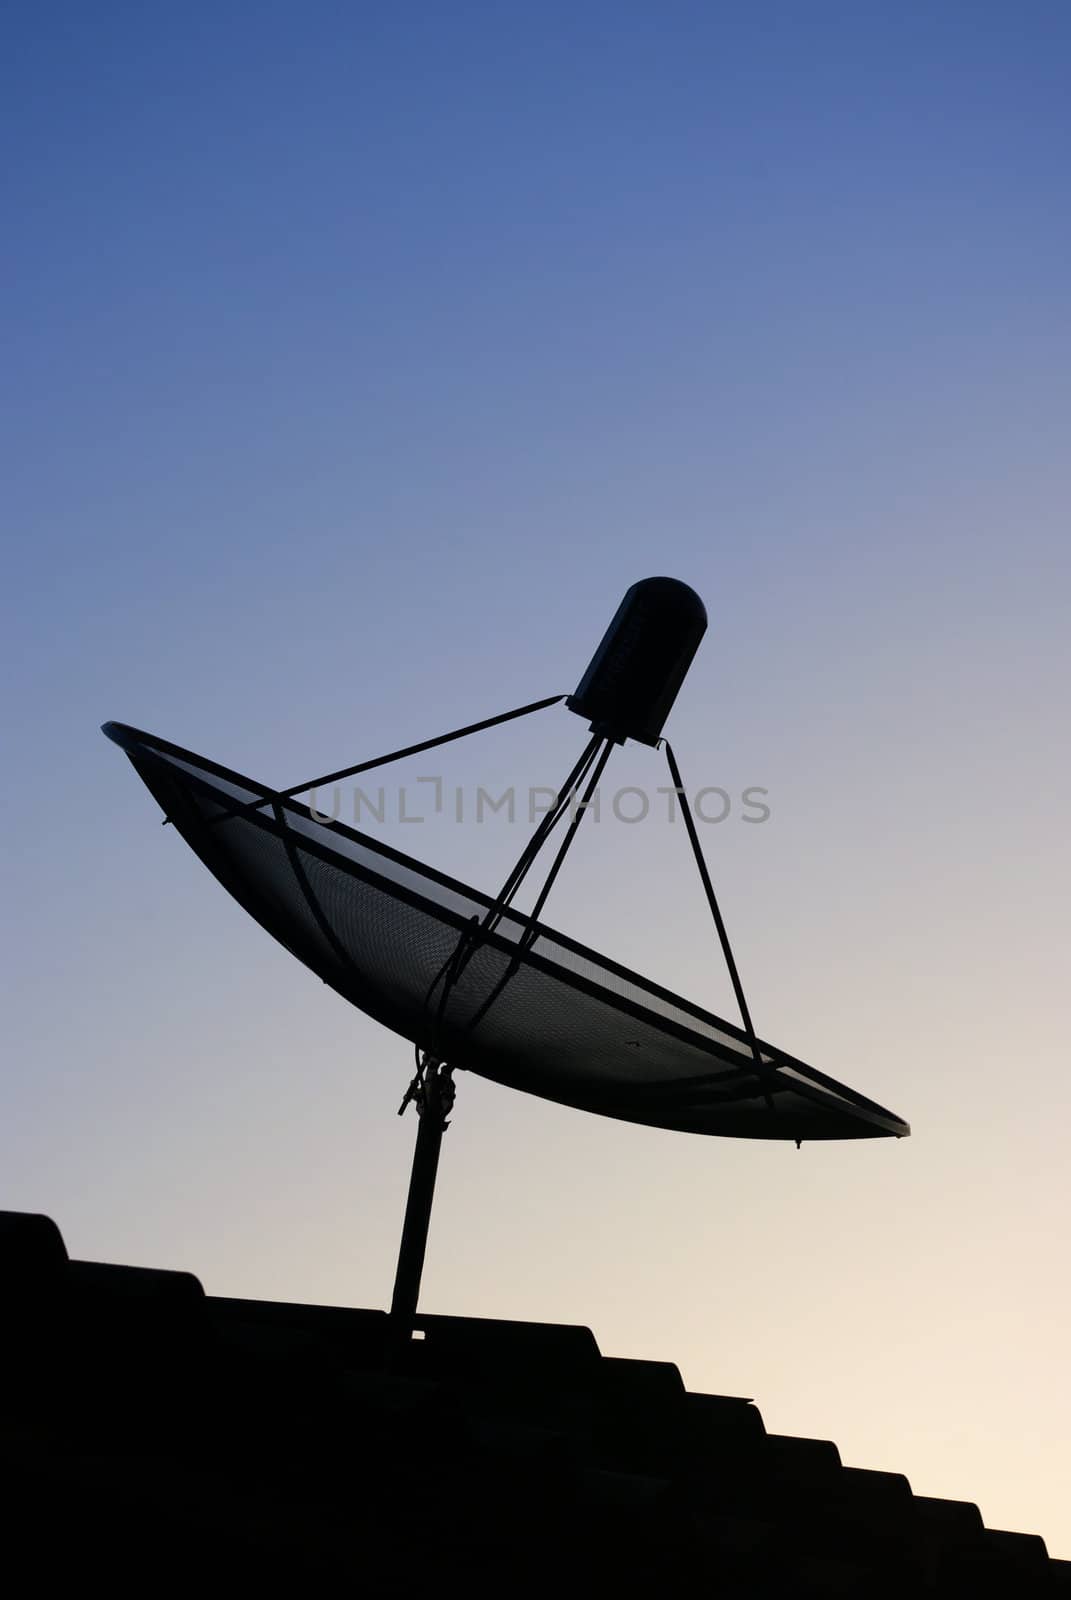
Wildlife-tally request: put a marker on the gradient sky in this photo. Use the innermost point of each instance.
(357, 358)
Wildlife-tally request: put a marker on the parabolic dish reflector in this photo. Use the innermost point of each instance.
(530, 1008)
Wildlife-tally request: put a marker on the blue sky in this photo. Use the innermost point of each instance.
(357, 358)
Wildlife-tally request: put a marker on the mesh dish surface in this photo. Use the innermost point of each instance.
(529, 1008)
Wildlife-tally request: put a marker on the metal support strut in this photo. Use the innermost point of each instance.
(432, 1088)
(715, 911)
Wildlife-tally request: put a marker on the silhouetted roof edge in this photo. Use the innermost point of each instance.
(276, 1429)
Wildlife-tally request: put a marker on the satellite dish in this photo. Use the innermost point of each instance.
(476, 985)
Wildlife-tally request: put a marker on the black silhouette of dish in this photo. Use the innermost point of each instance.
(528, 1007)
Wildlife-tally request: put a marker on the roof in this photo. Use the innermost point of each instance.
(152, 1433)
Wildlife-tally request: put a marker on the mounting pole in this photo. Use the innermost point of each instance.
(432, 1088)
(433, 1092)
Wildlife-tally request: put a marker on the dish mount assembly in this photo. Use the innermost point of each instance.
(474, 983)
(627, 692)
